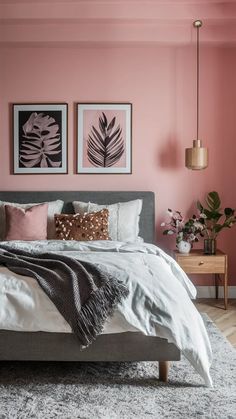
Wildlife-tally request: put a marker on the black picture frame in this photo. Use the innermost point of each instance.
(40, 143)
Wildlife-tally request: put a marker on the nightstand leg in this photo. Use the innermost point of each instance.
(217, 285)
(226, 290)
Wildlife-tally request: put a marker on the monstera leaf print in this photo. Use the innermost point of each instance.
(105, 145)
(41, 143)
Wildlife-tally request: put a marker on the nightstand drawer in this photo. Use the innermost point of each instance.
(204, 264)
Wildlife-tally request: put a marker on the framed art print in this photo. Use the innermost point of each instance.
(104, 137)
(40, 138)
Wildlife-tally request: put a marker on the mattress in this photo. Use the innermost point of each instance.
(159, 301)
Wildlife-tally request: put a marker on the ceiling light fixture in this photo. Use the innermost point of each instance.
(196, 158)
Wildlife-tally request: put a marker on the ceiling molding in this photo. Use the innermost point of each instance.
(110, 33)
(118, 21)
(97, 2)
(116, 10)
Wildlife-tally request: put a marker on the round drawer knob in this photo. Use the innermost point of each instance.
(201, 263)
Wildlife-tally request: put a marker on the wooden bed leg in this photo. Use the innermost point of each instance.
(163, 371)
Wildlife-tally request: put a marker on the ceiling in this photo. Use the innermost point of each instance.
(63, 22)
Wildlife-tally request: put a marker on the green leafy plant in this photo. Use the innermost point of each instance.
(211, 215)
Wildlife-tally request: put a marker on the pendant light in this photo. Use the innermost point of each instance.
(196, 158)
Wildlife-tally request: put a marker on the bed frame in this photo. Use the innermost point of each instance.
(129, 346)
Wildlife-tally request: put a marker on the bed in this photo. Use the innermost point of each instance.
(127, 346)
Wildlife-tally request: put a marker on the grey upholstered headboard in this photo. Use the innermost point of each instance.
(147, 219)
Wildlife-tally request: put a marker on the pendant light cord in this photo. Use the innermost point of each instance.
(196, 157)
(197, 80)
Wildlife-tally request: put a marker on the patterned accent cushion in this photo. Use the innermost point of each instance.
(92, 226)
(123, 218)
(26, 224)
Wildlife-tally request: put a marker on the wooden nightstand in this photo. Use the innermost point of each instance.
(196, 262)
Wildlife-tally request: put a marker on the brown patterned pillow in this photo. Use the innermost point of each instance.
(89, 226)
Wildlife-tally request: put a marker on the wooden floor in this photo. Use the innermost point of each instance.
(225, 320)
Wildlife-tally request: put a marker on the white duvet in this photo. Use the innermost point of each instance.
(159, 302)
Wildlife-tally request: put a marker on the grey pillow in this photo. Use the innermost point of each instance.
(123, 218)
(54, 207)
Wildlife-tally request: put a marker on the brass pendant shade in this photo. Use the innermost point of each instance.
(196, 158)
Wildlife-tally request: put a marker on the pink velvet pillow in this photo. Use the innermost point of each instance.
(26, 224)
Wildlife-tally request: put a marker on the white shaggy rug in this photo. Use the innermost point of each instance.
(119, 391)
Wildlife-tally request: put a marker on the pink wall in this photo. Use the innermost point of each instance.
(160, 82)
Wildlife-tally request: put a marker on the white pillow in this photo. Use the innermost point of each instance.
(123, 218)
(54, 207)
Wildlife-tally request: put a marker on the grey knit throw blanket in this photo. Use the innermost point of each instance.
(82, 292)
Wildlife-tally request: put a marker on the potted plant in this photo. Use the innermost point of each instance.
(211, 219)
(187, 232)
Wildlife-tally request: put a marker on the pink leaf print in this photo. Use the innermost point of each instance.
(54, 163)
(43, 162)
(41, 138)
(31, 163)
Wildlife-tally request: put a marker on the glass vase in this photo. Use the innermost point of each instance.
(209, 246)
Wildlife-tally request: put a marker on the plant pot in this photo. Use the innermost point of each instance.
(183, 246)
(209, 246)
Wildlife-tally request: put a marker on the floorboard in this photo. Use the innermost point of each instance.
(225, 320)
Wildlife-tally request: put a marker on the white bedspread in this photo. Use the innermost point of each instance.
(159, 302)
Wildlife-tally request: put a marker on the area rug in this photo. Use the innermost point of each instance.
(120, 390)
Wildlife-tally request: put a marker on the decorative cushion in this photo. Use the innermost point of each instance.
(26, 224)
(54, 207)
(92, 226)
(123, 218)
